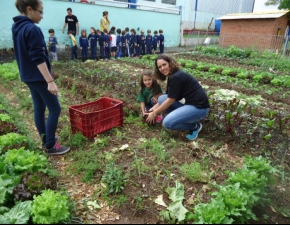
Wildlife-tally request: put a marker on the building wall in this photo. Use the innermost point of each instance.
(255, 33)
(89, 15)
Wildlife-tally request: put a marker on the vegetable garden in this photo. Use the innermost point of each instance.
(237, 171)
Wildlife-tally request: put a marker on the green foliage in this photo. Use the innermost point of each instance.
(49, 208)
(196, 172)
(12, 141)
(214, 212)
(25, 160)
(175, 211)
(77, 140)
(155, 147)
(9, 71)
(19, 214)
(114, 178)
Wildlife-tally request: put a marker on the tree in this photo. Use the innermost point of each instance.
(283, 4)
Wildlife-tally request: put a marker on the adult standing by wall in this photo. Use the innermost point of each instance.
(35, 71)
(180, 85)
(105, 22)
(72, 22)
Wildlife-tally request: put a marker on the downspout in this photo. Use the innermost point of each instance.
(195, 13)
(253, 6)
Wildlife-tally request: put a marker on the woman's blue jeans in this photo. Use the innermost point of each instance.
(42, 98)
(182, 117)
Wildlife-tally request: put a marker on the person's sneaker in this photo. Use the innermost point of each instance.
(57, 138)
(194, 133)
(159, 118)
(57, 149)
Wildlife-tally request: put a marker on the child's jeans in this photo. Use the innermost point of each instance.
(149, 49)
(54, 56)
(102, 52)
(107, 51)
(161, 48)
(42, 98)
(150, 105)
(181, 116)
(84, 53)
(93, 52)
(74, 52)
(142, 49)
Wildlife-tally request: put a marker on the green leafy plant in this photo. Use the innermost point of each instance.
(49, 208)
(114, 178)
(13, 141)
(19, 214)
(175, 211)
(196, 172)
(25, 160)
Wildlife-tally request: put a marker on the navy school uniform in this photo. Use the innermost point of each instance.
(84, 44)
(127, 36)
(138, 42)
(107, 46)
(161, 43)
(118, 42)
(155, 41)
(102, 47)
(149, 43)
(93, 38)
(132, 43)
(123, 45)
(142, 44)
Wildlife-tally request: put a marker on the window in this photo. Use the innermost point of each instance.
(171, 2)
(150, 0)
(121, 0)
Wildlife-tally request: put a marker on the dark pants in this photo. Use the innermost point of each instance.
(84, 53)
(42, 98)
(142, 49)
(74, 52)
(149, 49)
(124, 49)
(137, 50)
(107, 51)
(93, 52)
(131, 49)
(161, 48)
(102, 52)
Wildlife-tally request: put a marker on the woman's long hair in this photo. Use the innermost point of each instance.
(106, 13)
(173, 66)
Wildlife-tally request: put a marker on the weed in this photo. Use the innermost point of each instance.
(196, 172)
(114, 179)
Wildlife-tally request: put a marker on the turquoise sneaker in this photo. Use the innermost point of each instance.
(194, 133)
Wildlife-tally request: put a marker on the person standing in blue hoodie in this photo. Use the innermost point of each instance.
(93, 37)
(35, 71)
(149, 42)
(84, 45)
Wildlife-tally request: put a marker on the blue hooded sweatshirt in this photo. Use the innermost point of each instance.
(29, 48)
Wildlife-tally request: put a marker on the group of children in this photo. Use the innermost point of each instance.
(112, 44)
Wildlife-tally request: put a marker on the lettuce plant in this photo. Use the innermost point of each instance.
(49, 208)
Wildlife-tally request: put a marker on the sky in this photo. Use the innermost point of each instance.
(260, 7)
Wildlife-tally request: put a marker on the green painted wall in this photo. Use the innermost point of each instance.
(90, 15)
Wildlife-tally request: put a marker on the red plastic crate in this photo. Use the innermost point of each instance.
(96, 117)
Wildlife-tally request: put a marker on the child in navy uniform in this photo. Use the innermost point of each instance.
(101, 44)
(123, 44)
(127, 36)
(137, 46)
(52, 41)
(84, 45)
(155, 41)
(142, 43)
(149, 42)
(161, 41)
(132, 42)
(93, 37)
(118, 42)
(107, 44)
